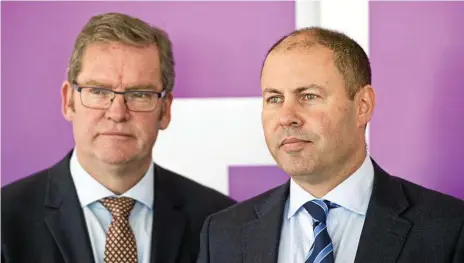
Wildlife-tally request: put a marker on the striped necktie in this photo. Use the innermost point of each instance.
(322, 248)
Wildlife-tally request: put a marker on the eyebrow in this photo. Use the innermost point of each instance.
(95, 83)
(142, 87)
(297, 90)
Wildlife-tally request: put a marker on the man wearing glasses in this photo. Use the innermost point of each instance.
(106, 201)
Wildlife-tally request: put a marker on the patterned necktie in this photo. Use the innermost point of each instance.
(322, 248)
(120, 243)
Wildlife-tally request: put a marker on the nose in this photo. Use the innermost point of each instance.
(118, 111)
(289, 115)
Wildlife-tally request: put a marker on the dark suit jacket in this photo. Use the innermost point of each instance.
(42, 220)
(404, 223)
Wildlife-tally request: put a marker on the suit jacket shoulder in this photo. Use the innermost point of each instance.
(252, 208)
(246, 232)
(406, 222)
(420, 203)
(431, 202)
(25, 196)
(181, 206)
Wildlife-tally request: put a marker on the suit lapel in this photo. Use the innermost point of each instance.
(262, 235)
(384, 231)
(64, 216)
(169, 222)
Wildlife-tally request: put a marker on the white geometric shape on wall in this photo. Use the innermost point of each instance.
(206, 136)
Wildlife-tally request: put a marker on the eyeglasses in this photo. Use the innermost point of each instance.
(136, 100)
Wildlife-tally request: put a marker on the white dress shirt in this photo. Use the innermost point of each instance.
(344, 224)
(98, 218)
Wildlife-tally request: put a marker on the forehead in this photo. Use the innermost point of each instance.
(299, 67)
(119, 64)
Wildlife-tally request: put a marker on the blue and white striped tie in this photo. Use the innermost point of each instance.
(322, 248)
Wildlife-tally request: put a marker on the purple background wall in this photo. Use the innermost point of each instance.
(416, 50)
(417, 53)
(248, 181)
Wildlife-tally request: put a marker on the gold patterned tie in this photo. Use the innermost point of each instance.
(120, 240)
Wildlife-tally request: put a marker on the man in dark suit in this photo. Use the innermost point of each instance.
(106, 201)
(339, 205)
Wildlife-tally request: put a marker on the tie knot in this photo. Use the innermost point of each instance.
(118, 207)
(319, 209)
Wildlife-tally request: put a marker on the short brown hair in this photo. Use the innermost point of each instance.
(121, 28)
(349, 57)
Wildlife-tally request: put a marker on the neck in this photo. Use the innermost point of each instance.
(118, 178)
(320, 183)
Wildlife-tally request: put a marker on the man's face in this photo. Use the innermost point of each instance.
(116, 135)
(309, 122)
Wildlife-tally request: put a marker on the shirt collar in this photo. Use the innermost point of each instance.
(353, 194)
(90, 190)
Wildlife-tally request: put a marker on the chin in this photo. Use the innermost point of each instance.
(297, 166)
(116, 155)
(115, 159)
(297, 171)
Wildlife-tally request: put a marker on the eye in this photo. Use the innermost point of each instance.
(274, 99)
(310, 96)
(99, 91)
(138, 95)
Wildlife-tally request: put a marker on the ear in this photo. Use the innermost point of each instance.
(366, 103)
(165, 111)
(67, 101)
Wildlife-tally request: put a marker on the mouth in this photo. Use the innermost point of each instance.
(116, 134)
(292, 144)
